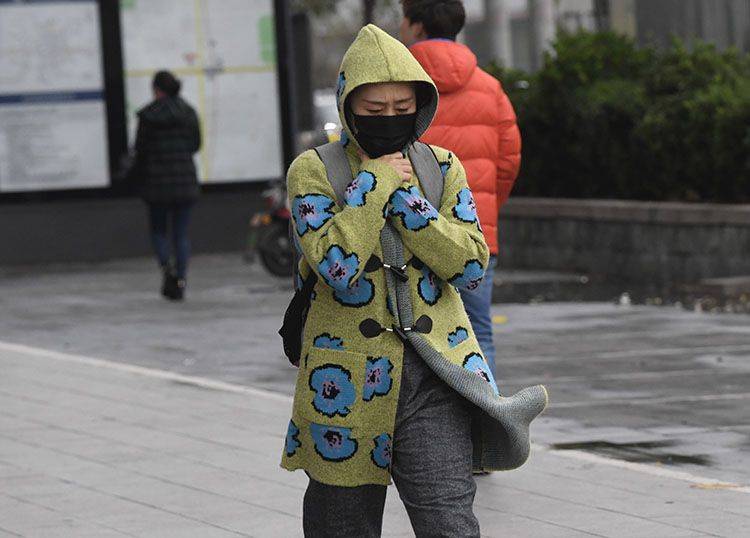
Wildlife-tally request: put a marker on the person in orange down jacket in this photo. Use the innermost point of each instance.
(476, 121)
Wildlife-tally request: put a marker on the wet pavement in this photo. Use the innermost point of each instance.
(99, 449)
(652, 385)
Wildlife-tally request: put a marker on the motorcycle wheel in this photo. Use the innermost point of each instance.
(276, 251)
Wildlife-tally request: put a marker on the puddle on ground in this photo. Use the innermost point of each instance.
(643, 452)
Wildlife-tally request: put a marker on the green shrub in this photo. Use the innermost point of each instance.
(605, 119)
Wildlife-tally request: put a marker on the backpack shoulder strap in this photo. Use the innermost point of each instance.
(339, 175)
(338, 171)
(426, 166)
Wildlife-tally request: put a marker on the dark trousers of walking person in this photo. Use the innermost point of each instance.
(174, 218)
(432, 469)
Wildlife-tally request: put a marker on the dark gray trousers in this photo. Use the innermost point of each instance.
(432, 456)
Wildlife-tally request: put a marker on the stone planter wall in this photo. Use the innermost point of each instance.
(650, 242)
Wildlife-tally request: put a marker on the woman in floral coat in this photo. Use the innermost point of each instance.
(416, 403)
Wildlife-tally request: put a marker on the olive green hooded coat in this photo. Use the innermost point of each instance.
(348, 384)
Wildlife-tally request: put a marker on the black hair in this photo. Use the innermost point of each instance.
(167, 82)
(440, 18)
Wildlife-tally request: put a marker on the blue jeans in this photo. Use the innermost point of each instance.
(477, 303)
(160, 217)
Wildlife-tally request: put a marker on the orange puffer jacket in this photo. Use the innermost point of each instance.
(476, 121)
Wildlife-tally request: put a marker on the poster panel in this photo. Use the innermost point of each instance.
(53, 133)
(223, 51)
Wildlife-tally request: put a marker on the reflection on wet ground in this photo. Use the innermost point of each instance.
(619, 374)
(727, 295)
(640, 452)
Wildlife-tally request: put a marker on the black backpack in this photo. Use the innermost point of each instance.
(339, 174)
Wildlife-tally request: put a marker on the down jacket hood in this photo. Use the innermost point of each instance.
(448, 63)
(374, 57)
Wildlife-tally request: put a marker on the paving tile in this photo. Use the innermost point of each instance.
(101, 458)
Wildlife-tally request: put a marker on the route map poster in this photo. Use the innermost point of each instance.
(223, 51)
(53, 133)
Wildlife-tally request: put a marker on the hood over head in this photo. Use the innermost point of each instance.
(450, 64)
(167, 111)
(374, 57)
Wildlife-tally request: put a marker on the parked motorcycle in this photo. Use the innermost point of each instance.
(268, 235)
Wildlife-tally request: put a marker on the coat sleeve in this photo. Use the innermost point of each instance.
(195, 133)
(510, 149)
(449, 241)
(337, 242)
(142, 133)
(135, 173)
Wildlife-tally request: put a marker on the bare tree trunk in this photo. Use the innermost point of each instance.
(368, 8)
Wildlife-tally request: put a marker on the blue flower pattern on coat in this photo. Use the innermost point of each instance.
(415, 210)
(471, 276)
(292, 441)
(311, 212)
(457, 336)
(445, 165)
(474, 362)
(326, 341)
(382, 453)
(444, 168)
(338, 268)
(359, 294)
(340, 86)
(356, 192)
(378, 379)
(333, 443)
(297, 246)
(334, 390)
(466, 209)
(429, 287)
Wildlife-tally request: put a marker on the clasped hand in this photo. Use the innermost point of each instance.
(401, 164)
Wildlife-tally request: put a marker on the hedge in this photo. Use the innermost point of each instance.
(606, 119)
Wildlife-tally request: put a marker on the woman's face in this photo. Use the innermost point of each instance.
(384, 99)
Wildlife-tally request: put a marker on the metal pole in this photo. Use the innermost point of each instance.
(498, 30)
(368, 11)
(285, 64)
(602, 15)
(114, 87)
(542, 19)
(622, 17)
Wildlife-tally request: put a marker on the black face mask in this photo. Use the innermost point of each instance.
(381, 135)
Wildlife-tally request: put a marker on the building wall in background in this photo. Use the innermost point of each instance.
(575, 14)
(528, 42)
(104, 223)
(623, 17)
(332, 34)
(725, 23)
(97, 230)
